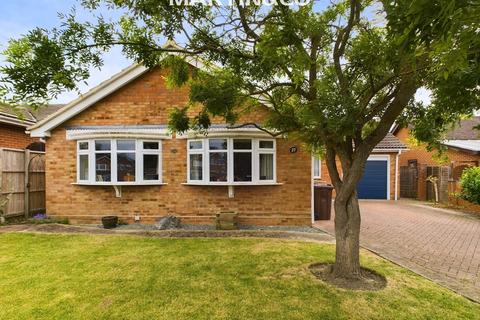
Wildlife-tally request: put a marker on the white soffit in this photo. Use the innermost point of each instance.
(109, 132)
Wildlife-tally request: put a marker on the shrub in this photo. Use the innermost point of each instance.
(470, 183)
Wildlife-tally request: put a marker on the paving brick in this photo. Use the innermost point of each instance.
(443, 246)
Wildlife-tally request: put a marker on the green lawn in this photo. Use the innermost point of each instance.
(120, 277)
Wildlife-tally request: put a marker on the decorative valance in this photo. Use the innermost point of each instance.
(136, 132)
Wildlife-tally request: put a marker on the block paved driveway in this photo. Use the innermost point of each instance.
(439, 244)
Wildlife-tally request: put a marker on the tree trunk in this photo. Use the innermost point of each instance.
(347, 235)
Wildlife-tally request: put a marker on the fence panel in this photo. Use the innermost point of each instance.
(18, 176)
(408, 182)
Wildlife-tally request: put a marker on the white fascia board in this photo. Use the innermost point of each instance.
(42, 128)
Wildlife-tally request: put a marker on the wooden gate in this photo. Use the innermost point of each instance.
(22, 178)
(408, 182)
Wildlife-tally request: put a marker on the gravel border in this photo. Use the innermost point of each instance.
(76, 229)
(209, 227)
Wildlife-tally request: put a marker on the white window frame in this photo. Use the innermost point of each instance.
(317, 159)
(87, 153)
(196, 151)
(255, 151)
(139, 153)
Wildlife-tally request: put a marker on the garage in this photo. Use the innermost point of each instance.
(375, 181)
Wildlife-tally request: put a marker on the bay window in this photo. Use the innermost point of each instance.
(118, 161)
(231, 161)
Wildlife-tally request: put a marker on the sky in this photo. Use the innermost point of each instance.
(20, 16)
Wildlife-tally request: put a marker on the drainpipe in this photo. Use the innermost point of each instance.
(396, 174)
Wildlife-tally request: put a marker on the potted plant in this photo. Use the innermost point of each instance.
(110, 222)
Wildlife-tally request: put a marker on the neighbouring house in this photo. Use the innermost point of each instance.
(110, 153)
(462, 150)
(21, 161)
(13, 126)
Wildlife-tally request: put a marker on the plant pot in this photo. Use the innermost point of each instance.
(110, 222)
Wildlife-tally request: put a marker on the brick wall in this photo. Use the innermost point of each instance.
(148, 101)
(14, 137)
(424, 157)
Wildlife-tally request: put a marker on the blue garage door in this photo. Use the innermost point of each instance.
(373, 184)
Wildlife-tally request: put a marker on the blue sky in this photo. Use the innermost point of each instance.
(20, 16)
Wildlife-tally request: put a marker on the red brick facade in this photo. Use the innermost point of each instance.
(147, 101)
(14, 137)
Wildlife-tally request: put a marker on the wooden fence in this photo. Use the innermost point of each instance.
(22, 177)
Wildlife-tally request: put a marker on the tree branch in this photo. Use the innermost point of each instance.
(273, 134)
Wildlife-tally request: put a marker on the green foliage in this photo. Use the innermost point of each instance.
(179, 71)
(179, 120)
(340, 75)
(470, 183)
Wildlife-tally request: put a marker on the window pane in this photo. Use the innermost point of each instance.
(150, 145)
(196, 167)
(150, 167)
(102, 144)
(218, 144)
(242, 144)
(102, 167)
(126, 166)
(316, 167)
(83, 145)
(83, 167)
(242, 166)
(266, 144)
(218, 166)
(125, 144)
(195, 145)
(266, 166)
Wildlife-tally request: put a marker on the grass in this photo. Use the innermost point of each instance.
(121, 277)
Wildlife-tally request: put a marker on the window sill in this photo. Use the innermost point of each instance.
(221, 184)
(119, 184)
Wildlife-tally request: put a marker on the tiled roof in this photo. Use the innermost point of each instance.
(465, 131)
(390, 142)
(24, 116)
(45, 111)
(20, 113)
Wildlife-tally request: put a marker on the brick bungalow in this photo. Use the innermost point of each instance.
(110, 153)
(463, 150)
